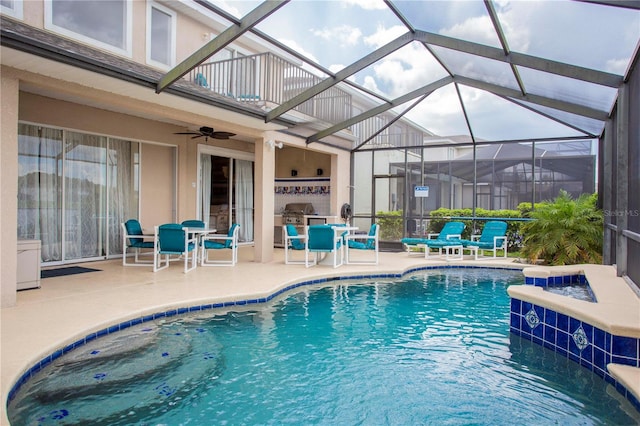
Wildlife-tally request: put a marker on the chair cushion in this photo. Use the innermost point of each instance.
(133, 228)
(358, 245)
(480, 245)
(296, 243)
(214, 245)
(142, 244)
(413, 241)
(444, 243)
(321, 238)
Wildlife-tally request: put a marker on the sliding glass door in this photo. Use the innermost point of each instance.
(226, 190)
(74, 190)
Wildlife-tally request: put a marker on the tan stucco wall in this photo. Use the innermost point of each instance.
(306, 162)
(9, 97)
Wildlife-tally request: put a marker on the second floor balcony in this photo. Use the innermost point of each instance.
(267, 80)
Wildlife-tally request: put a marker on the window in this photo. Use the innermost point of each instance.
(104, 23)
(11, 8)
(161, 34)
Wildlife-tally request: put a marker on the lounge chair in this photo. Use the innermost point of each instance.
(363, 242)
(449, 235)
(492, 238)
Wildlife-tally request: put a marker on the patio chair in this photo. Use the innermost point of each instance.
(220, 242)
(194, 223)
(172, 239)
(292, 241)
(363, 242)
(449, 235)
(323, 239)
(133, 239)
(492, 238)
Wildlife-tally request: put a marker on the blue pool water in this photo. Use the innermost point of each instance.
(430, 348)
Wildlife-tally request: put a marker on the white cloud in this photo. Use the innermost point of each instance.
(478, 29)
(370, 83)
(617, 66)
(298, 48)
(383, 35)
(344, 35)
(368, 4)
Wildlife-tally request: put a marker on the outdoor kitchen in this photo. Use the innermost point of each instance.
(302, 190)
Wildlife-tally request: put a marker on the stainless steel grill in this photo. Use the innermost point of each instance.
(295, 212)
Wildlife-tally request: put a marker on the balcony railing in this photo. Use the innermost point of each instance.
(267, 79)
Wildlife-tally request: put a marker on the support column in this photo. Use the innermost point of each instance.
(9, 99)
(265, 172)
(622, 171)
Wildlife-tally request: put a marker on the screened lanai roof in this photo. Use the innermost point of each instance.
(487, 70)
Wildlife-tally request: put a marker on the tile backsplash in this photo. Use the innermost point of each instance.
(303, 190)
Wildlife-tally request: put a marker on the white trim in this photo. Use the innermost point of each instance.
(128, 28)
(15, 11)
(226, 152)
(172, 48)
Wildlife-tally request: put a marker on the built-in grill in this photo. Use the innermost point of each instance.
(295, 213)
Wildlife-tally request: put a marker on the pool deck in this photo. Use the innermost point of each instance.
(65, 309)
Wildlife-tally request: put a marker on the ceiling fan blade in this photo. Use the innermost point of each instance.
(222, 135)
(197, 136)
(186, 133)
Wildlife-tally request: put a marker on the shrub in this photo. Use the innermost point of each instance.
(390, 225)
(565, 231)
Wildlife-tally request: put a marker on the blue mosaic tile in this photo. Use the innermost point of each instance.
(563, 322)
(550, 335)
(514, 322)
(598, 338)
(102, 332)
(516, 306)
(599, 358)
(562, 341)
(550, 317)
(625, 346)
(528, 280)
(624, 360)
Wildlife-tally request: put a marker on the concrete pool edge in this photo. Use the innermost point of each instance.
(614, 318)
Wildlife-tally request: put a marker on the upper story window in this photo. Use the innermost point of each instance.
(11, 8)
(161, 35)
(103, 23)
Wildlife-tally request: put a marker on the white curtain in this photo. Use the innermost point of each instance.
(244, 199)
(123, 191)
(85, 195)
(40, 188)
(205, 192)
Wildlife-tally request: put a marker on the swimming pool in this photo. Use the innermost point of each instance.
(433, 347)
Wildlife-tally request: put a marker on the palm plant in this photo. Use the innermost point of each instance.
(565, 231)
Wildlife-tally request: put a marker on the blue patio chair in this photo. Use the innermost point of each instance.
(292, 241)
(172, 239)
(323, 239)
(363, 242)
(449, 235)
(133, 239)
(220, 242)
(194, 223)
(492, 238)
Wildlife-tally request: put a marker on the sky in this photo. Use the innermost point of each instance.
(336, 33)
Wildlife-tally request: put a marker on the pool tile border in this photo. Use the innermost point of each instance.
(559, 320)
(577, 340)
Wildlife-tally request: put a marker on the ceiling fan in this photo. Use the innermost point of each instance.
(207, 132)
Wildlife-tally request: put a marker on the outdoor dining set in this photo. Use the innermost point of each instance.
(189, 242)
